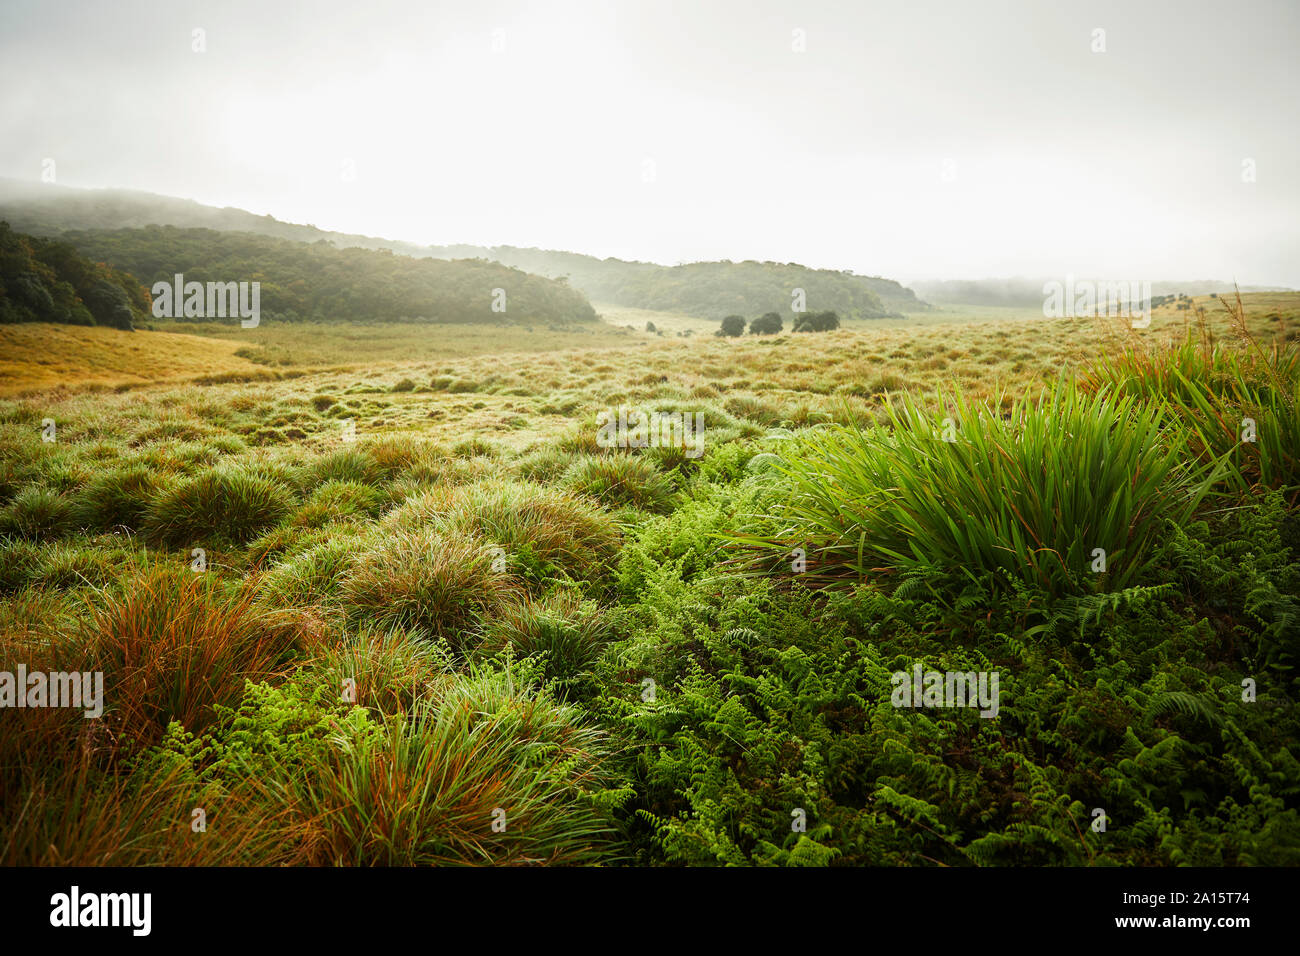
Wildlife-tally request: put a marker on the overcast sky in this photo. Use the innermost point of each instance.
(953, 139)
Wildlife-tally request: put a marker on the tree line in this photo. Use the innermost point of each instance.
(771, 323)
(317, 282)
(711, 290)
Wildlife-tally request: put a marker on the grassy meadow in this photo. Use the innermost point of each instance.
(376, 594)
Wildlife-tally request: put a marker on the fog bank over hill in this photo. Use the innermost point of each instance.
(1021, 291)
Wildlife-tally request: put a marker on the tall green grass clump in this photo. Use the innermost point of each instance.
(311, 577)
(338, 500)
(1033, 497)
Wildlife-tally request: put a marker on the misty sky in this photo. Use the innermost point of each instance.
(955, 139)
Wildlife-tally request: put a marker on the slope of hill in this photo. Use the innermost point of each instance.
(707, 289)
(319, 282)
(46, 209)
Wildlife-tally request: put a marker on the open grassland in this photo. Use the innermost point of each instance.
(358, 590)
(282, 346)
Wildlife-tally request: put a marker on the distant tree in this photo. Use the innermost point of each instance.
(732, 325)
(650, 327)
(817, 322)
(769, 323)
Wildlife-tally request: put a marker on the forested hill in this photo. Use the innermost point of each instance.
(713, 289)
(708, 289)
(319, 282)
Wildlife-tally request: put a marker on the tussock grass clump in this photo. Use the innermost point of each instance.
(582, 439)
(426, 508)
(443, 472)
(425, 785)
(71, 564)
(311, 578)
(64, 473)
(342, 464)
(1029, 497)
(475, 448)
(335, 500)
(670, 459)
(427, 580)
(19, 563)
(287, 540)
(621, 480)
(89, 818)
(544, 464)
(38, 740)
(180, 457)
(570, 632)
(754, 409)
(375, 461)
(887, 382)
(174, 645)
(222, 504)
(119, 498)
(37, 513)
(532, 523)
(171, 429)
(561, 403)
(392, 668)
(393, 455)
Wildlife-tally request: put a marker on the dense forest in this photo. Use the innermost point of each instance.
(707, 289)
(318, 282)
(44, 280)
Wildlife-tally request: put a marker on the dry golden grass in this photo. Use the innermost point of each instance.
(41, 355)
